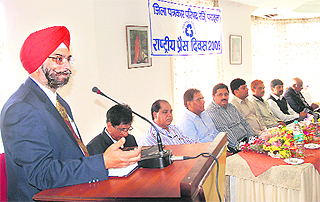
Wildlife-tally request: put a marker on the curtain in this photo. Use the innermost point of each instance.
(201, 72)
(285, 49)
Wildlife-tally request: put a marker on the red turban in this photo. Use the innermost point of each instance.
(40, 44)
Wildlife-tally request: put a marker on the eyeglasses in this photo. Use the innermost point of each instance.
(60, 60)
(199, 99)
(121, 130)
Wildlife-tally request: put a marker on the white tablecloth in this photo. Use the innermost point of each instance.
(263, 188)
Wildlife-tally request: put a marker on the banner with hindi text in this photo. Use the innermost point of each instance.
(178, 29)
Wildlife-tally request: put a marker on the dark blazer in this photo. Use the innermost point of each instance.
(295, 101)
(40, 151)
(102, 141)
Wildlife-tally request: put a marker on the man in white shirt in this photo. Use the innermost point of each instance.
(280, 106)
(245, 107)
(161, 112)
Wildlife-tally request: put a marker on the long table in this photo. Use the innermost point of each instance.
(189, 180)
(279, 183)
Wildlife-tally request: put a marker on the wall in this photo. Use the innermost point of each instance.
(236, 21)
(98, 41)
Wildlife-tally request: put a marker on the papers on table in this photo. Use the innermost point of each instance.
(122, 172)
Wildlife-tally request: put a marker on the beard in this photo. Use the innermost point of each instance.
(53, 77)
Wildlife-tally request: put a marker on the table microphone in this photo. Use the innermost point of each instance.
(315, 114)
(151, 157)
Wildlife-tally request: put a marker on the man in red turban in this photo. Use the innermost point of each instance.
(43, 147)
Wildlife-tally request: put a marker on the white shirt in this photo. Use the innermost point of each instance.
(277, 111)
(53, 98)
(51, 95)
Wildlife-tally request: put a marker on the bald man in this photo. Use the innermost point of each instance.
(43, 147)
(162, 118)
(295, 98)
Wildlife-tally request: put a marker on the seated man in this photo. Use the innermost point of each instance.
(245, 107)
(262, 106)
(227, 118)
(119, 120)
(295, 98)
(161, 113)
(279, 105)
(195, 123)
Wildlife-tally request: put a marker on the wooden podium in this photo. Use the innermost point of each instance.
(188, 180)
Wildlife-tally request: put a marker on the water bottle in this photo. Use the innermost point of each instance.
(298, 140)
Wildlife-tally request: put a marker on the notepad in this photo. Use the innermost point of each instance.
(122, 172)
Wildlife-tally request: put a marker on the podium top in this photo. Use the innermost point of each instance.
(178, 181)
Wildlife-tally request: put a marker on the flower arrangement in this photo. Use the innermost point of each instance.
(309, 133)
(278, 142)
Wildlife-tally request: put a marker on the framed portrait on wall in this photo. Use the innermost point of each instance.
(138, 47)
(235, 49)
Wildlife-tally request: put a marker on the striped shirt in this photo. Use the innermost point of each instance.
(173, 137)
(231, 121)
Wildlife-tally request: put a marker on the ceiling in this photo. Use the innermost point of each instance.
(283, 9)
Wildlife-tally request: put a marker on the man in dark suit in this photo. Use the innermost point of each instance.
(43, 147)
(119, 120)
(295, 98)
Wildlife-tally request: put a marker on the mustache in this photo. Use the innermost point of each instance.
(63, 72)
(224, 100)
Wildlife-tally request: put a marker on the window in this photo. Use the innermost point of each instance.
(200, 72)
(285, 49)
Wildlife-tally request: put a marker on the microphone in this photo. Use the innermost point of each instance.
(150, 158)
(315, 114)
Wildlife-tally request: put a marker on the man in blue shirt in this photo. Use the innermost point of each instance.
(195, 123)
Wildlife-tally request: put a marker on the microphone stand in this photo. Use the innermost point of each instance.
(149, 158)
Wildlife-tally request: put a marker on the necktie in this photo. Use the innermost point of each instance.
(64, 115)
(303, 100)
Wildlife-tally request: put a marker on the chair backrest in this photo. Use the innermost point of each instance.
(3, 178)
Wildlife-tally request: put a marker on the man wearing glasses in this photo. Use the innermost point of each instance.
(295, 98)
(195, 123)
(227, 118)
(119, 120)
(162, 117)
(43, 147)
(245, 106)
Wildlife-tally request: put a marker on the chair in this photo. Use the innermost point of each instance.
(3, 178)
